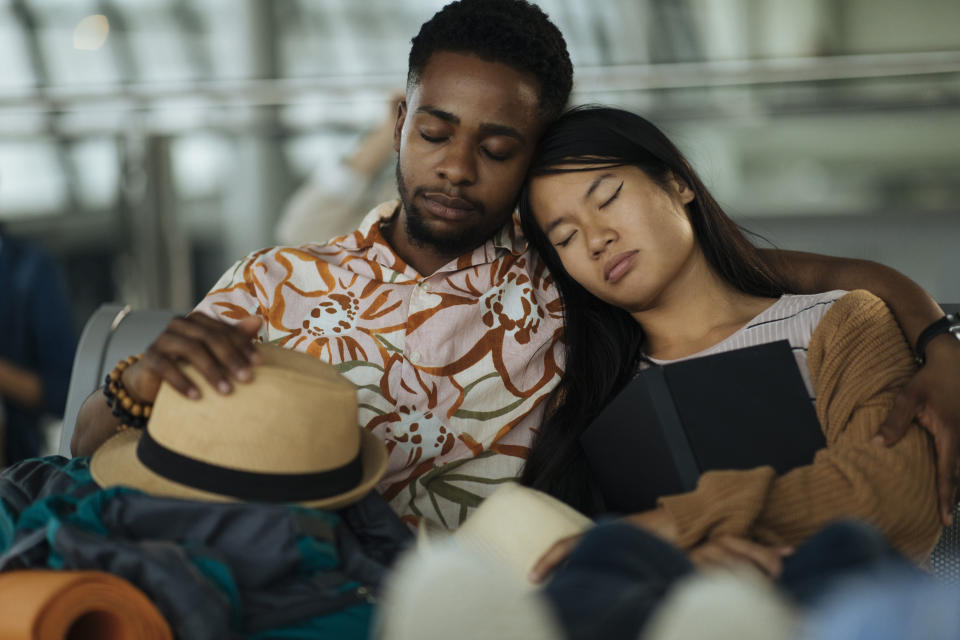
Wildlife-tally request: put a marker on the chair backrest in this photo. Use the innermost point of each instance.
(111, 333)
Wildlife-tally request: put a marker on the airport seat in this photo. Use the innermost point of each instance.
(112, 332)
(945, 560)
(115, 331)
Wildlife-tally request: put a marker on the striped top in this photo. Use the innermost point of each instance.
(792, 318)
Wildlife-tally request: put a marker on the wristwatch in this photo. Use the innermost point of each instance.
(948, 323)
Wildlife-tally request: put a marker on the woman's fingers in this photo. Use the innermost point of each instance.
(733, 551)
(555, 555)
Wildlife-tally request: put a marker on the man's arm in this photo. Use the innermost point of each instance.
(811, 273)
(220, 352)
(931, 397)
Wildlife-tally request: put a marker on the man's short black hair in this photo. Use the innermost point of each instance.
(512, 32)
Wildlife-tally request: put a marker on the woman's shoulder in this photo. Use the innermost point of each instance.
(860, 322)
(856, 308)
(813, 305)
(793, 317)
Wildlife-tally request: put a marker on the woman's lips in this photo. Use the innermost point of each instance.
(618, 266)
(448, 208)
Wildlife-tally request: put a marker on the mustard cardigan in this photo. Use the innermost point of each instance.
(858, 361)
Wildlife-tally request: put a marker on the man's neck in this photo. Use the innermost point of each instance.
(424, 259)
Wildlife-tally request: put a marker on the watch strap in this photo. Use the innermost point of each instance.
(947, 323)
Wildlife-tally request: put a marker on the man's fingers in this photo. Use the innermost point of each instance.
(904, 410)
(229, 346)
(170, 350)
(552, 558)
(948, 470)
(166, 370)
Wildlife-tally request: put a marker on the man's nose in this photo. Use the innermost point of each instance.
(459, 164)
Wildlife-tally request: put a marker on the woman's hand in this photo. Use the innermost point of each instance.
(736, 553)
(554, 556)
(931, 399)
(657, 521)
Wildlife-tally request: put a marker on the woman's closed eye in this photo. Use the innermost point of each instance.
(612, 198)
(566, 240)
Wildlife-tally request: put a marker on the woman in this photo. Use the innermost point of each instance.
(651, 270)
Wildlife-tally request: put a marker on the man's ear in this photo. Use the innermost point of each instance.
(398, 128)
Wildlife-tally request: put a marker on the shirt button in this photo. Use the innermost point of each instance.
(415, 357)
(426, 287)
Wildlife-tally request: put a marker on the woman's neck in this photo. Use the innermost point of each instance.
(695, 313)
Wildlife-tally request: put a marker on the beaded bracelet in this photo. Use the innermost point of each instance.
(131, 413)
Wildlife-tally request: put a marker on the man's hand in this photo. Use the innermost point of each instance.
(932, 399)
(734, 552)
(219, 351)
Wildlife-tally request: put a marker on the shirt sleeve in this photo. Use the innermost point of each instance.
(859, 360)
(236, 295)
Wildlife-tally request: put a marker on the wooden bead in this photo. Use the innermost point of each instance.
(136, 410)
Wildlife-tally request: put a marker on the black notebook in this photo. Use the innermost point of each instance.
(734, 410)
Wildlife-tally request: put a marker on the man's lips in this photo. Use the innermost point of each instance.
(618, 266)
(443, 206)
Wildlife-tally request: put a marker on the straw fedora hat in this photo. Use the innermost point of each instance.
(288, 436)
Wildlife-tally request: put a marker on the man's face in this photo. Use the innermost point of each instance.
(465, 136)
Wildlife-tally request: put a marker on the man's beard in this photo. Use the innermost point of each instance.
(458, 242)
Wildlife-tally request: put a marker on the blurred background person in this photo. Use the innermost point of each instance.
(37, 343)
(333, 201)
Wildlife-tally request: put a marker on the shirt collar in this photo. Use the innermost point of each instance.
(368, 237)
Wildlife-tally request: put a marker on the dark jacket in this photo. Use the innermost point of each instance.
(215, 570)
(36, 333)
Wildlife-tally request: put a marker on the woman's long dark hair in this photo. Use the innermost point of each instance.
(603, 342)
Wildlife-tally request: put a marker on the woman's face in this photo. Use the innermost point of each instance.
(622, 236)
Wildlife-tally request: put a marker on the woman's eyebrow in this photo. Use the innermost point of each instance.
(595, 184)
(554, 224)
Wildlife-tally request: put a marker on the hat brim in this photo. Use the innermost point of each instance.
(115, 463)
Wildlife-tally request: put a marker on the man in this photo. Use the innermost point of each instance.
(434, 307)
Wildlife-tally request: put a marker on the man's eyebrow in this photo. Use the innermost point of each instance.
(501, 130)
(487, 128)
(439, 113)
(595, 184)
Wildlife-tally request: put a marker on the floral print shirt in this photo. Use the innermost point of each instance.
(452, 369)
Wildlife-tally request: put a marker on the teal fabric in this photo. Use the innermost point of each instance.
(83, 525)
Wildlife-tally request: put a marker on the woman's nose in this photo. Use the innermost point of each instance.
(598, 239)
